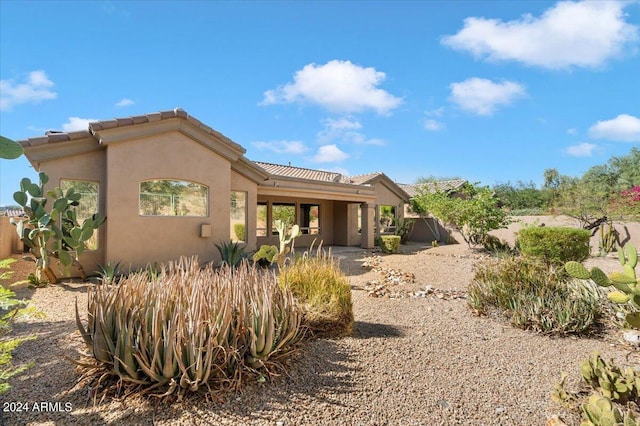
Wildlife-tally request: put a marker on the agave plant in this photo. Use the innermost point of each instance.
(231, 253)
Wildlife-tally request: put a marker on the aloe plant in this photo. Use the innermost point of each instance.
(188, 327)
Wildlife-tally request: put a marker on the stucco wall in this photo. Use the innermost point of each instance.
(136, 239)
(385, 197)
(7, 237)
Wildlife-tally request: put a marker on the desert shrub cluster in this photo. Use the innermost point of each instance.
(533, 296)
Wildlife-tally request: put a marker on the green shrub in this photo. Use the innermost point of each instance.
(388, 243)
(555, 245)
(532, 296)
(189, 327)
(323, 290)
(240, 230)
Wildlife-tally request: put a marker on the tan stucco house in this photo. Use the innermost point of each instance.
(170, 185)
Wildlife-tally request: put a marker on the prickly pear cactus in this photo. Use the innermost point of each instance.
(41, 232)
(625, 282)
(613, 382)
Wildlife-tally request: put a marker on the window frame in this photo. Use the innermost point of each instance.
(232, 224)
(302, 215)
(96, 233)
(180, 181)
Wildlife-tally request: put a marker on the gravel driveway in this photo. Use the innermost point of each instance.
(410, 361)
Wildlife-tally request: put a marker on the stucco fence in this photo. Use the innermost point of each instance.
(9, 242)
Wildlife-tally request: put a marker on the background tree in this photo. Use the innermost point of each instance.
(473, 211)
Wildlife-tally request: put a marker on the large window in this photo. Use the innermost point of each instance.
(387, 219)
(310, 218)
(165, 197)
(261, 227)
(88, 206)
(285, 212)
(238, 216)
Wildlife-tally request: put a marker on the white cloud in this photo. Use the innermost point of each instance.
(572, 131)
(335, 129)
(330, 154)
(482, 96)
(623, 128)
(35, 89)
(282, 147)
(76, 123)
(337, 86)
(361, 139)
(434, 125)
(344, 130)
(581, 34)
(435, 112)
(124, 102)
(584, 149)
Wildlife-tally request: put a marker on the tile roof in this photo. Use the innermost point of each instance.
(13, 213)
(443, 185)
(55, 136)
(299, 172)
(361, 179)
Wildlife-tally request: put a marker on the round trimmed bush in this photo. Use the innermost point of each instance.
(555, 245)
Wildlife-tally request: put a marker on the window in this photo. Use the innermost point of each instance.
(88, 206)
(165, 197)
(238, 216)
(310, 218)
(284, 212)
(261, 226)
(387, 219)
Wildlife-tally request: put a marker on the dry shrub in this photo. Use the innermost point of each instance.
(324, 291)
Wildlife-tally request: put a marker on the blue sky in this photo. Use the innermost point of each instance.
(488, 91)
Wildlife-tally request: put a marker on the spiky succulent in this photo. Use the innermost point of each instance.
(189, 327)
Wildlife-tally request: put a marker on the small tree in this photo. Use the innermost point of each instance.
(473, 213)
(41, 233)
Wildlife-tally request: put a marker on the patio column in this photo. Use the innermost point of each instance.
(367, 223)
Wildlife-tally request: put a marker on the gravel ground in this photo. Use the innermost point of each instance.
(410, 361)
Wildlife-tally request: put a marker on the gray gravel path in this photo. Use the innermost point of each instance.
(410, 361)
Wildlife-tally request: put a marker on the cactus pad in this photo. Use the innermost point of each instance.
(632, 255)
(577, 270)
(599, 277)
(618, 297)
(633, 319)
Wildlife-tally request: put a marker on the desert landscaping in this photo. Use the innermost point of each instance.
(417, 355)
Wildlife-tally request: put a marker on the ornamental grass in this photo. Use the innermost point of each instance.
(322, 289)
(185, 328)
